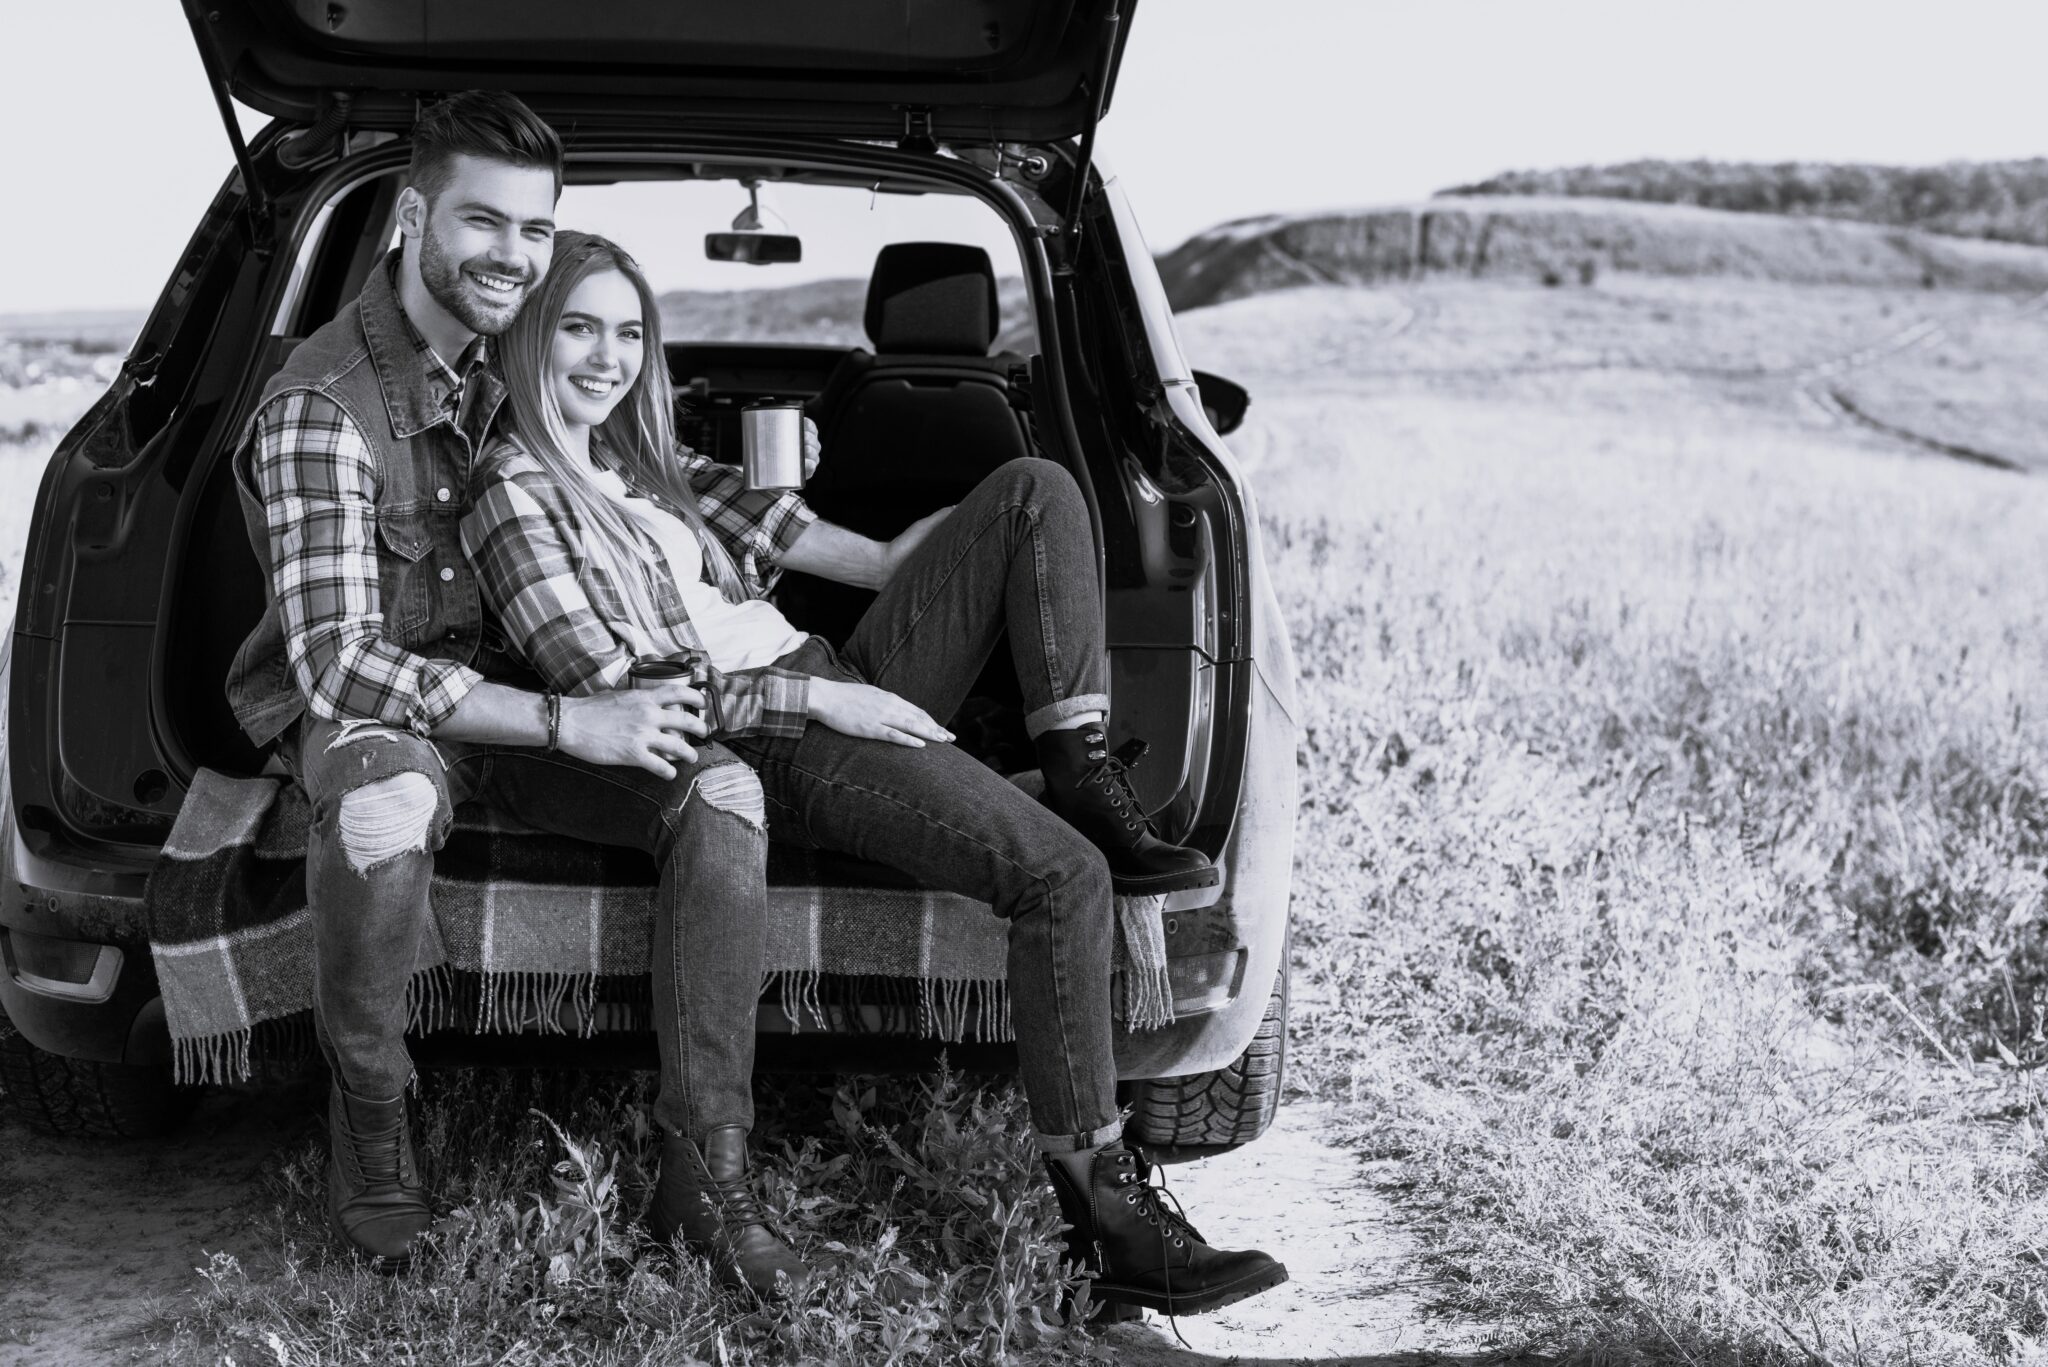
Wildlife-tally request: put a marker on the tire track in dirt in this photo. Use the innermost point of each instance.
(1818, 389)
(1351, 1294)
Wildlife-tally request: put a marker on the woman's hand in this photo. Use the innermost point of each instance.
(642, 727)
(813, 448)
(858, 709)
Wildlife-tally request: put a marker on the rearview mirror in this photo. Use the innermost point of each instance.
(755, 249)
(1223, 400)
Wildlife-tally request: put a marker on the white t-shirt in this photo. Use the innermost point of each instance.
(744, 635)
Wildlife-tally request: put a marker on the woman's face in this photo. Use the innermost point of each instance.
(598, 348)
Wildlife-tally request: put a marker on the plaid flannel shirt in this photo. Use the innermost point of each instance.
(565, 615)
(319, 482)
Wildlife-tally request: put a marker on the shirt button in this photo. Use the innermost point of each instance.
(441, 494)
(446, 574)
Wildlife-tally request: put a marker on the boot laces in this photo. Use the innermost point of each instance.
(1173, 1224)
(736, 1203)
(377, 1155)
(1112, 773)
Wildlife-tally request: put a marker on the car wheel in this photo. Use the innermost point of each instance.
(67, 1096)
(1180, 1118)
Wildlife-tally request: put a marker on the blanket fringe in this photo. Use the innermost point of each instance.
(796, 989)
(947, 1006)
(218, 1058)
(1143, 990)
(509, 1003)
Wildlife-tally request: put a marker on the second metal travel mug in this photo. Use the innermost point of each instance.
(772, 444)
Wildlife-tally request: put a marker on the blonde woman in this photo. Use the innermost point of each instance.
(591, 547)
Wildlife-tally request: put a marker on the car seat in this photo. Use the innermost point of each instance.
(914, 425)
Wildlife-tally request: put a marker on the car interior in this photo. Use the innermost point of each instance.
(918, 393)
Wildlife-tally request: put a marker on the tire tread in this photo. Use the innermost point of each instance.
(62, 1096)
(1222, 1109)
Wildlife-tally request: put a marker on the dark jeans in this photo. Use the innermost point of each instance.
(1016, 553)
(371, 855)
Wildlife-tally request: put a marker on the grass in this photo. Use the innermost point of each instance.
(916, 1198)
(1669, 892)
(1675, 837)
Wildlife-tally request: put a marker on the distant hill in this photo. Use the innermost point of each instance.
(87, 330)
(822, 313)
(1573, 241)
(2005, 201)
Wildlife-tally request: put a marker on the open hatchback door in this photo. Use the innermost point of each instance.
(965, 70)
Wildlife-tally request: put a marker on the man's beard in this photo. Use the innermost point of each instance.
(444, 280)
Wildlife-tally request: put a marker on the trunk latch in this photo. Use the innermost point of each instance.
(917, 129)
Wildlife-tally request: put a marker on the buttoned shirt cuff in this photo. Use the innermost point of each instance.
(792, 516)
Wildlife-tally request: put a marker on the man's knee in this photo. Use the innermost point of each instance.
(386, 818)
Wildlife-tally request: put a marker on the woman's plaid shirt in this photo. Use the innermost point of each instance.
(566, 615)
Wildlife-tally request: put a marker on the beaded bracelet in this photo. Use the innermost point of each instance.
(554, 721)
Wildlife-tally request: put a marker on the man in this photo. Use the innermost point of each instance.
(369, 675)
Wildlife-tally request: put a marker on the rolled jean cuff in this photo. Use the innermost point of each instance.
(1053, 713)
(1075, 1143)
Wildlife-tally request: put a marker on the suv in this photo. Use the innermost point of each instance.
(139, 582)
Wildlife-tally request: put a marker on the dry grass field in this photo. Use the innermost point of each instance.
(1668, 900)
(1670, 894)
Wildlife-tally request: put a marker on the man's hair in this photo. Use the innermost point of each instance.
(489, 124)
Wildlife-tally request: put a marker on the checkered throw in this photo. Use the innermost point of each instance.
(539, 932)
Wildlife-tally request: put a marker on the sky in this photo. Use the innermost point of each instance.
(114, 147)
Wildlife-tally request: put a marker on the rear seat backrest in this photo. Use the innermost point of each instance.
(917, 423)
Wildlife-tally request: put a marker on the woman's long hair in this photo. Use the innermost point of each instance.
(637, 440)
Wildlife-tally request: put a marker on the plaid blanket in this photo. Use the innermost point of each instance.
(537, 932)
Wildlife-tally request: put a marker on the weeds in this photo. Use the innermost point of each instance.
(538, 1257)
(1670, 893)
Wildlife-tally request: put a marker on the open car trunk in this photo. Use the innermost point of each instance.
(1021, 70)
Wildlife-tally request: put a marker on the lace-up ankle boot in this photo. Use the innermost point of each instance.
(1091, 790)
(1137, 1251)
(375, 1200)
(704, 1196)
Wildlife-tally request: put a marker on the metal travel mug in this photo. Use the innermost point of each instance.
(692, 670)
(772, 444)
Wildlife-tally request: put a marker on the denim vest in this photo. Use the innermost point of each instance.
(368, 363)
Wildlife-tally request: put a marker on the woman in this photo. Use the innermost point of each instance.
(591, 548)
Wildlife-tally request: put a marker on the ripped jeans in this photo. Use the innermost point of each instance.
(382, 802)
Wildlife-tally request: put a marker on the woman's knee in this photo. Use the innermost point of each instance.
(1077, 873)
(1039, 482)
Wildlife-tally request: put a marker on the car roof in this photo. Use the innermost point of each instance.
(954, 70)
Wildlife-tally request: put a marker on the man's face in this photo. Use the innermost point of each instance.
(485, 239)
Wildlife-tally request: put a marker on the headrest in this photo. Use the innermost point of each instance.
(936, 298)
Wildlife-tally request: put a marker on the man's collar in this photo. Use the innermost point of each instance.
(416, 381)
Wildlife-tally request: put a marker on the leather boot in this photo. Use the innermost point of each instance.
(704, 1196)
(375, 1200)
(1091, 790)
(1138, 1252)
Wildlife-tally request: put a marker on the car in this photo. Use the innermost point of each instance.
(139, 582)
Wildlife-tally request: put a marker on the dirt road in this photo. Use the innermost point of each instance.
(97, 1239)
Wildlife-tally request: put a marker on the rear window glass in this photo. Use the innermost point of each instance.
(819, 300)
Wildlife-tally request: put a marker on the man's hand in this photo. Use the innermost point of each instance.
(897, 552)
(858, 709)
(812, 449)
(635, 726)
